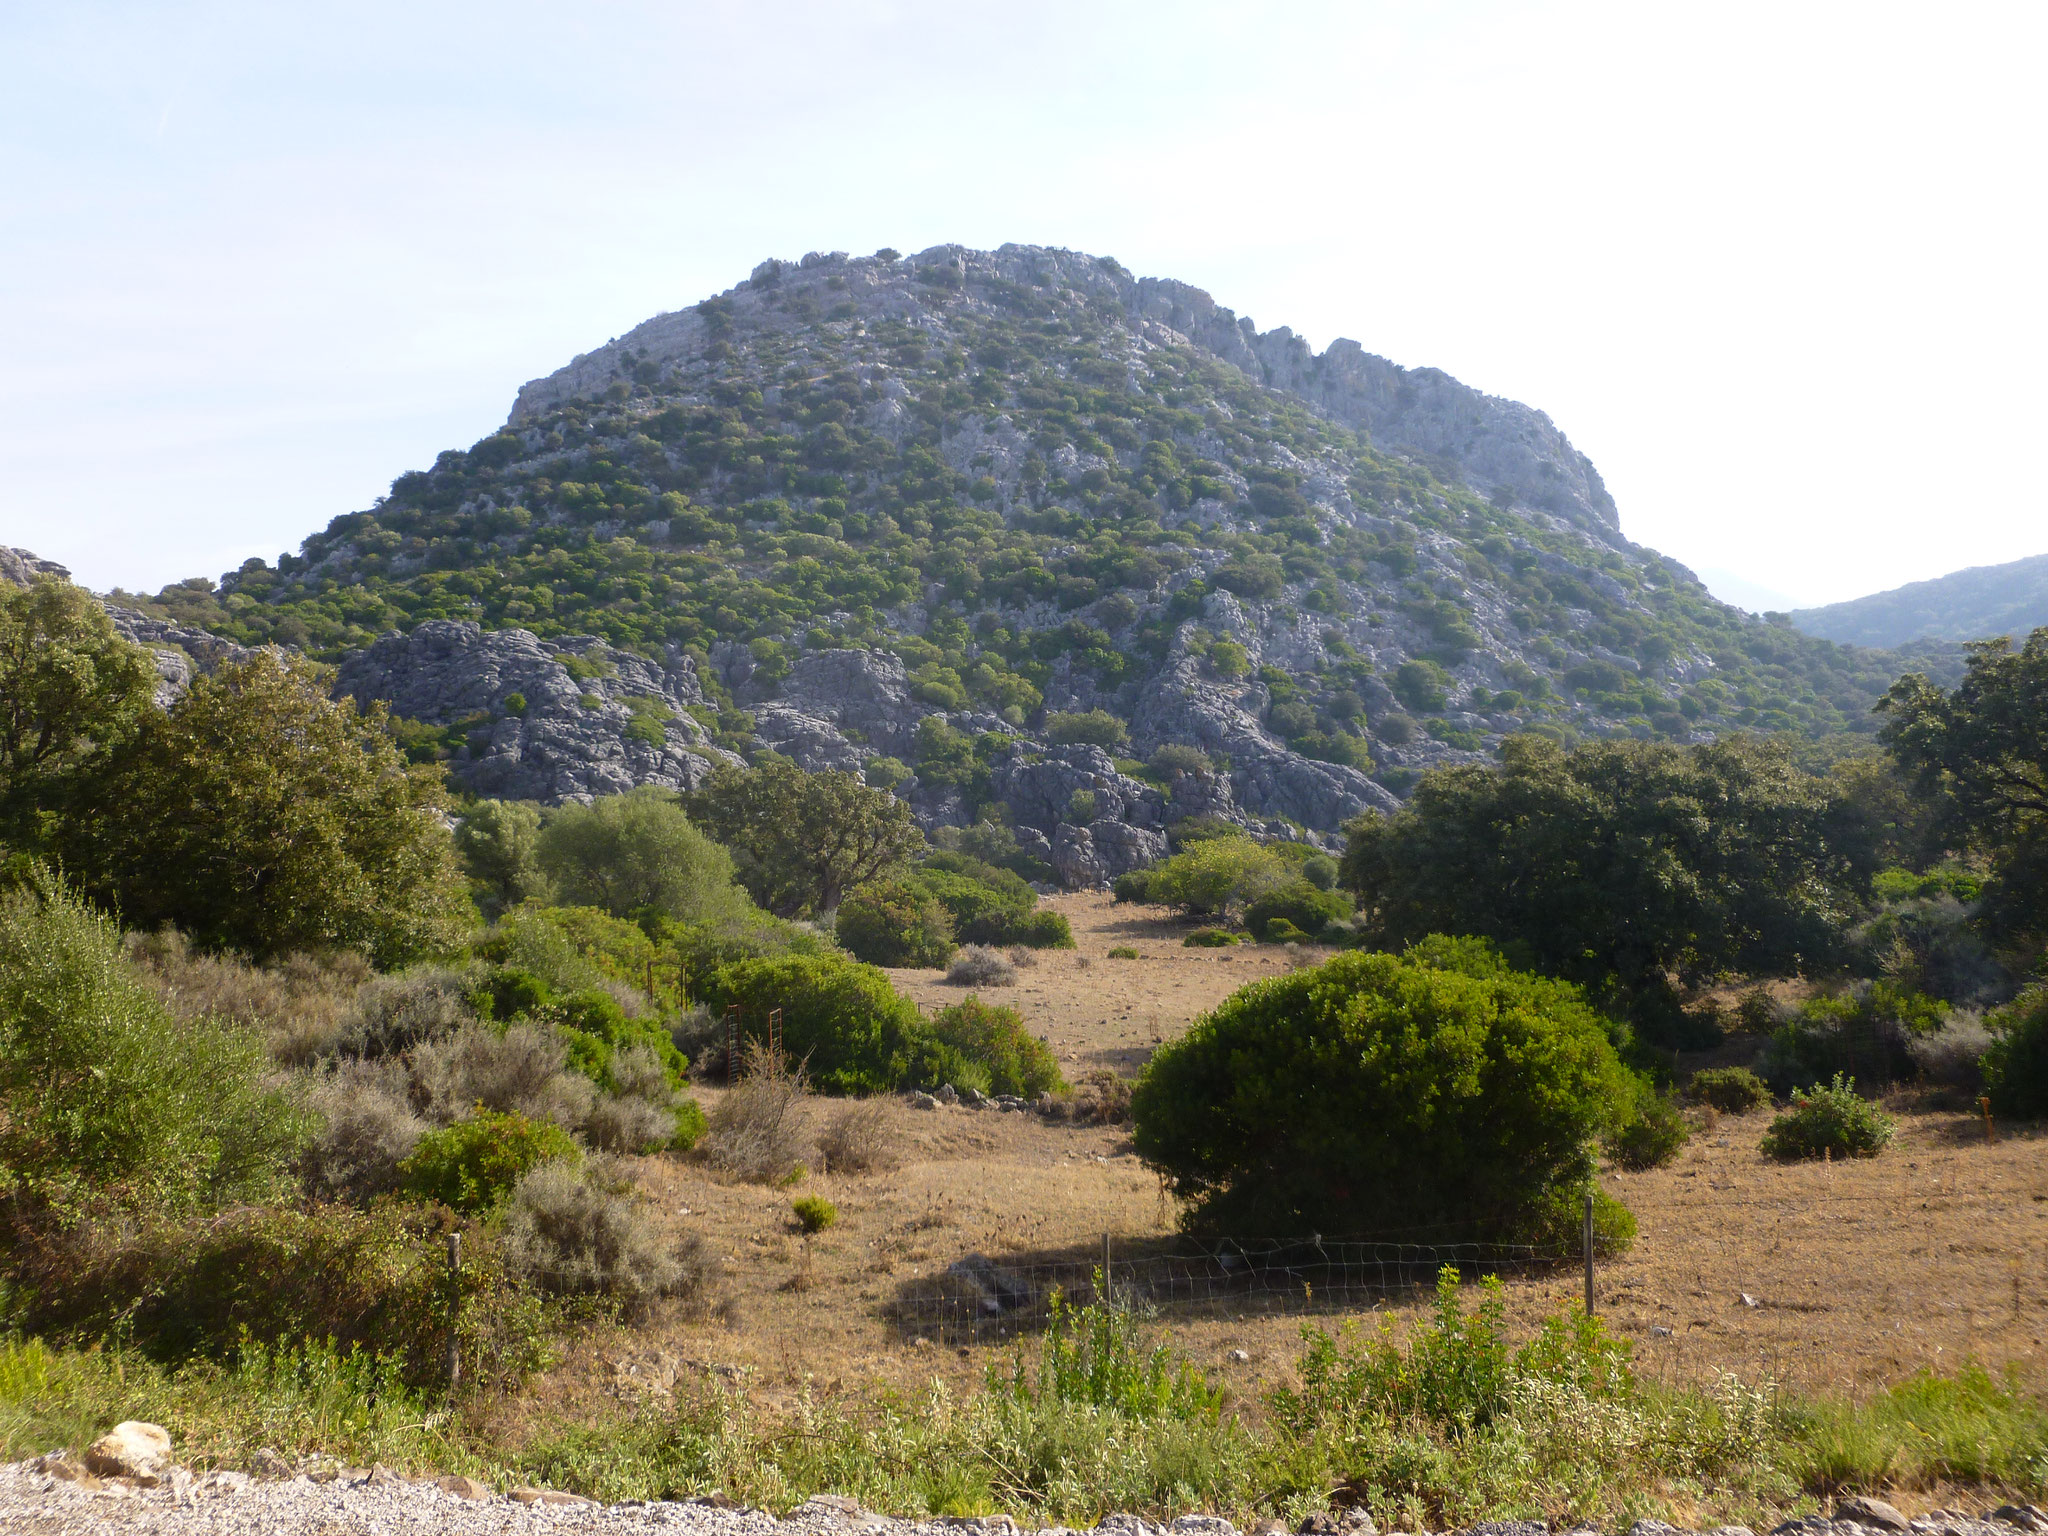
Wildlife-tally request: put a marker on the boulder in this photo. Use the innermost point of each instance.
(60, 1465)
(1002, 1290)
(548, 1496)
(462, 1487)
(130, 1449)
(1874, 1513)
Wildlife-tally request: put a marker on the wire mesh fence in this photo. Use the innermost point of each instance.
(979, 1300)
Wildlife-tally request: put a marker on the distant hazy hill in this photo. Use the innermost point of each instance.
(1983, 601)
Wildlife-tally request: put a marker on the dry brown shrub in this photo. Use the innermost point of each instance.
(639, 1117)
(761, 1129)
(299, 1003)
(1105, 1098)
(367, 1128)
(977, 965)
(1022, 956)
(392, 1014)
(700, 1035)
(582, 1232)
(859, 1138)
(628, 1125)
(519, 1071)
(1952, 1057)
(638, 1074)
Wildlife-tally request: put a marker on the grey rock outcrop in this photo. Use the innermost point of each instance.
(19, 568)
(1083, 857)
(540, 731)
(181, 652)
(1495, 443)
(1038, 790)
(835, 709)
(1267, 779)
(865, 692)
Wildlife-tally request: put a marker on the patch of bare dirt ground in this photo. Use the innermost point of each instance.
(1820, 1276)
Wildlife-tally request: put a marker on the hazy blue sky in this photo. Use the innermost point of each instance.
(1776, 268)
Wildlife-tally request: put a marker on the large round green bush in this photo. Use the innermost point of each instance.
(1732, 1090)
(895, 922)
(1299, 903)
(104, 1094)
(1653, 1133)
(841, 1017)
(2016, 1065)
(1017, 1060)
(1212, 875)
(1829, 1119)
(1379, 1094)
(596, 1029)
(473, 1164)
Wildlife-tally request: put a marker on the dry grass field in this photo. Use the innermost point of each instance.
(1822, 1277)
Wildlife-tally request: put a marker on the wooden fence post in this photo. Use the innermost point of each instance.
(1589, 1253)
(454, 1310)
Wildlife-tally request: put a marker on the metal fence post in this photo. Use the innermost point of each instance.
(1589, 1253)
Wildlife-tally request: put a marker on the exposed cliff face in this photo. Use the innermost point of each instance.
(1499, 446)
(18, 567)
(538, 719)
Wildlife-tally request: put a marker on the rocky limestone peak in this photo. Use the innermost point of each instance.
(1020, 535)
(19, 568)
(1500, 447)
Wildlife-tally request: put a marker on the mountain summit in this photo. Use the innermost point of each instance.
(1499, 447)
(1020, 535)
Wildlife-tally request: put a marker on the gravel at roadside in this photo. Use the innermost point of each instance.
(54, 1497)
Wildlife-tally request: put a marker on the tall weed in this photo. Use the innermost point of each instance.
(1097, 1356)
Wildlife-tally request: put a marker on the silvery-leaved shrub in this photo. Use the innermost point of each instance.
(572, 1231)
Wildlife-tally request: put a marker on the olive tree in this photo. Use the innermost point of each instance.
(71, 691)
(258, 814)
(802, 840)
(632, 852)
